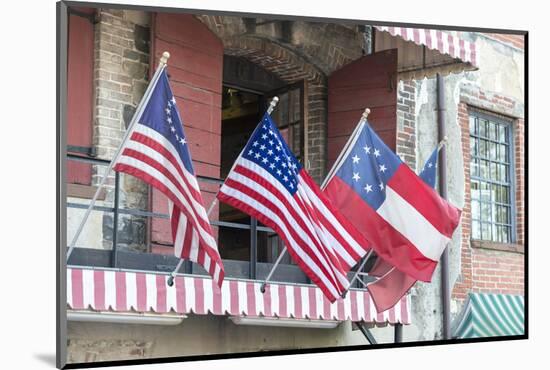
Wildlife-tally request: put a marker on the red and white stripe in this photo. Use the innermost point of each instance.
(149, 156)
(123, 291)
(437, 40)
(322, 242)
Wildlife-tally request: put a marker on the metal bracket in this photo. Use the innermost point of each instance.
(366, 332)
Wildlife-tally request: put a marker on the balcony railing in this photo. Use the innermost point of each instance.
(120, 257)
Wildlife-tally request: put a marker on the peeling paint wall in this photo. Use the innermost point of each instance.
(501, 72)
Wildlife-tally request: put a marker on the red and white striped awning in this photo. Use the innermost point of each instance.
(126, 291)
(424, 52)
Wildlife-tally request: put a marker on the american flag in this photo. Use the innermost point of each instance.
(269, 183)
(157, 153)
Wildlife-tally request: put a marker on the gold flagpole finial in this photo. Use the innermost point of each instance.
(442, 142)
(164, 58)
(272, 104)
(365, 114)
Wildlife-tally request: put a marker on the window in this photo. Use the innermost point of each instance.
(491, 179)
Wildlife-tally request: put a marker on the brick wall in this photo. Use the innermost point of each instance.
(486, 267)
(406, 127)
(121, 68)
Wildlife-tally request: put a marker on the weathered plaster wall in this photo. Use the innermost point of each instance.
(500, 77)
(199, 335)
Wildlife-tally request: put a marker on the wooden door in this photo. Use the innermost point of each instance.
(368, 82)
(195, 71)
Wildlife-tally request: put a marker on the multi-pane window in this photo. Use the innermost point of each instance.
(491, 180)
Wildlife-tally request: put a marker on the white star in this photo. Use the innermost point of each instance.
(264, 160)
(294, 166)
(269, 152)
(255, 143)
(278, 148)
(257, 155)
(277, 159)
(172, 128)
(279, 172)
(272, 166)
(367, 149)
(169, 105)
(285, 178)
(265, 127)
(271, 132)
(368, 188)
(271, 142)
(291, 185)
(283, 164)
(182, 141)
(356, 176)
(168, 119)
(250, 152)
(429, 164)
(167, 110)
(383, 168)
(173, 100)
(355, 159)
(264, 136)
(381, 185)
(262, 147)
(376, 153)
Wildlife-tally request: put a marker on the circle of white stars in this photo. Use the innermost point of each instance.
(356, 159)
(172, 103)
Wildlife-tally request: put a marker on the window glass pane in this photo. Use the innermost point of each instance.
(493, 131)
(485, 191)
(475, 210)
(486, 233)
(474, 168)
(473, 125)
(483, 128)
(502, 153)
(474, 188)
(506, 173)
(476, 230)
(497, 233)
(473, 146)
(492, 154)
(501, 133)
(506, 234)
(485, 211)
(493, 169)
(504, 194)
(484, 169)
(482, 148)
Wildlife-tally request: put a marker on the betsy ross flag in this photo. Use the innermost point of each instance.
(407, 222)
(268, 183)
(157, 153)
(392, 284)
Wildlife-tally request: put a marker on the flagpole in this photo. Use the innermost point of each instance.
(173, 274)
(365, 259)
(347, 147)
(162, 64)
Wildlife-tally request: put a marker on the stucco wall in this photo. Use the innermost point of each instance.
(200, 335)
(501, 73)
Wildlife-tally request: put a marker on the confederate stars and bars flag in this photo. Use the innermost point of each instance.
(157, 153)
(407, 222)
(268, 183)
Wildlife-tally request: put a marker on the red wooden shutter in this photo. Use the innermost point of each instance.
(80, 66)
(369, 82)
(195, 69)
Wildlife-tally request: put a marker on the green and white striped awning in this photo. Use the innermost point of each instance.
(490, 315)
